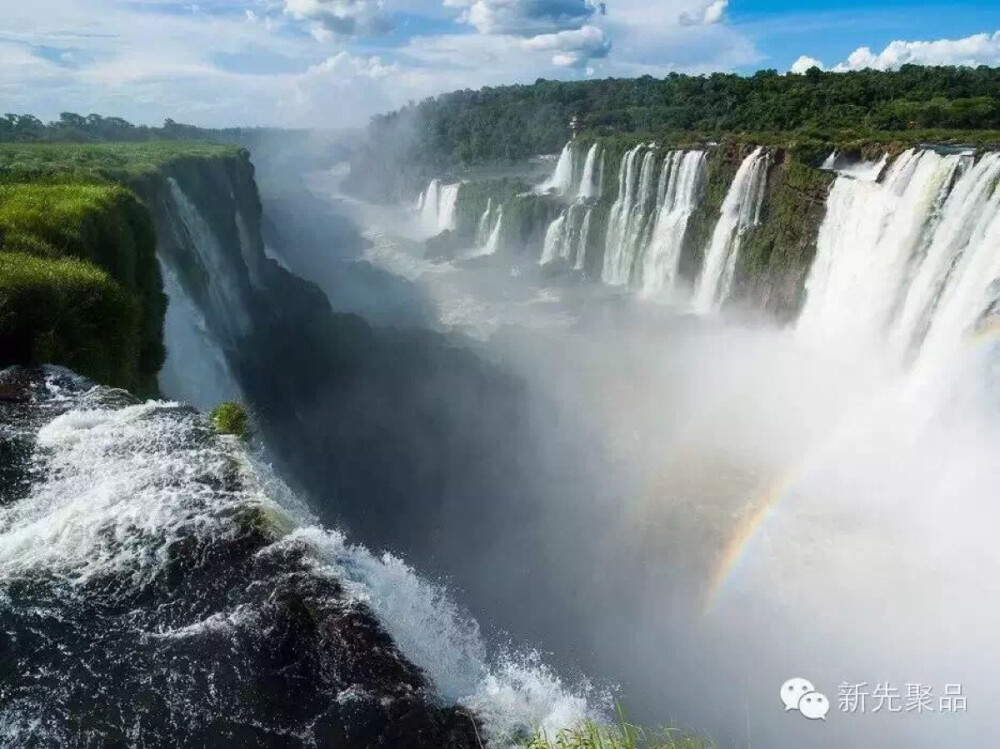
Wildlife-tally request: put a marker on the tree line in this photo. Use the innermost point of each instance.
(513, 122)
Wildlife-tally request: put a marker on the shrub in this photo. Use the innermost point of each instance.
(231, 418)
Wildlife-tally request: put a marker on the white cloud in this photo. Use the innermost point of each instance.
(525, 17)
(345, 17)
(712, 13)
(804, 63)
(978, 49)
(572, 49)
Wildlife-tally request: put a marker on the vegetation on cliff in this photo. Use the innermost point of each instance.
(79, 280)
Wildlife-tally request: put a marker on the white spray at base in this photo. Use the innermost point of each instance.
(122, 485)
(906, 265)
(740, 212)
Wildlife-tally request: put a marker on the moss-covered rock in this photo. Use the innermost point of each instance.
(776, 255)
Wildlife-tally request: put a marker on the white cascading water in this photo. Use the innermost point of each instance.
(567, 236)
(437, 207)
(192, 231)
(493, 240)
(872, 238)
(581, 247)
(740, 211)
(616, 255)
(561, 181)
(590, 182)
(943, 276)
(680, 188)
(483, 229)
(195, 370)
(555, 240)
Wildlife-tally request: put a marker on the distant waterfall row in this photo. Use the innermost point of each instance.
(910, 262)
(907, 252)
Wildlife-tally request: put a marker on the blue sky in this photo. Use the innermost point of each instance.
(332, 63)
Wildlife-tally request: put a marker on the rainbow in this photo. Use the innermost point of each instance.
(735, 550)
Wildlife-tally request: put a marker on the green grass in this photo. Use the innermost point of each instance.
(104, 225)
(231, 418)
(624, 735)
(106, 162)
(68, 312)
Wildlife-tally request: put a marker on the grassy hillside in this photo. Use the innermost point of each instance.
(79, 280)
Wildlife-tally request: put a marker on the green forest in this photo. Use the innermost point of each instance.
(514, 122)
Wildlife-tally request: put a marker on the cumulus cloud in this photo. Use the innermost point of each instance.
(572, 49)
(563, 27)
(978, 49)
(805, 63)
(342, 17)
(712, 13)
(525, 17)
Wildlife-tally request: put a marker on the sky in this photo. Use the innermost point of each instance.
(334, 63)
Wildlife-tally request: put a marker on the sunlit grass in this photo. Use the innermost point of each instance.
(114, 162)
(623, 735)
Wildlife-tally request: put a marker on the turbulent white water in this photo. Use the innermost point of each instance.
(590, 182)
(907, 256)
(122, 487)
(866, 171)
(740, 211)
(437, 206)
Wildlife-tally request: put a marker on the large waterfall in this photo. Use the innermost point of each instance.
(489, 230)
(908, 262)
(740, 211)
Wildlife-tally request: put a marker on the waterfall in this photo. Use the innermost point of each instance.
(225, 295)
(567, 236)
(446, 210)
(590, 184)
(493, 241)
(561, 181)
(489, 232)
(429, 205)
(196, 370)
(555, 240)
(680, 186)
(437, 206)
(618, 222)
(740, 211)
(872, 237)
(581, 247)
(483, 230)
